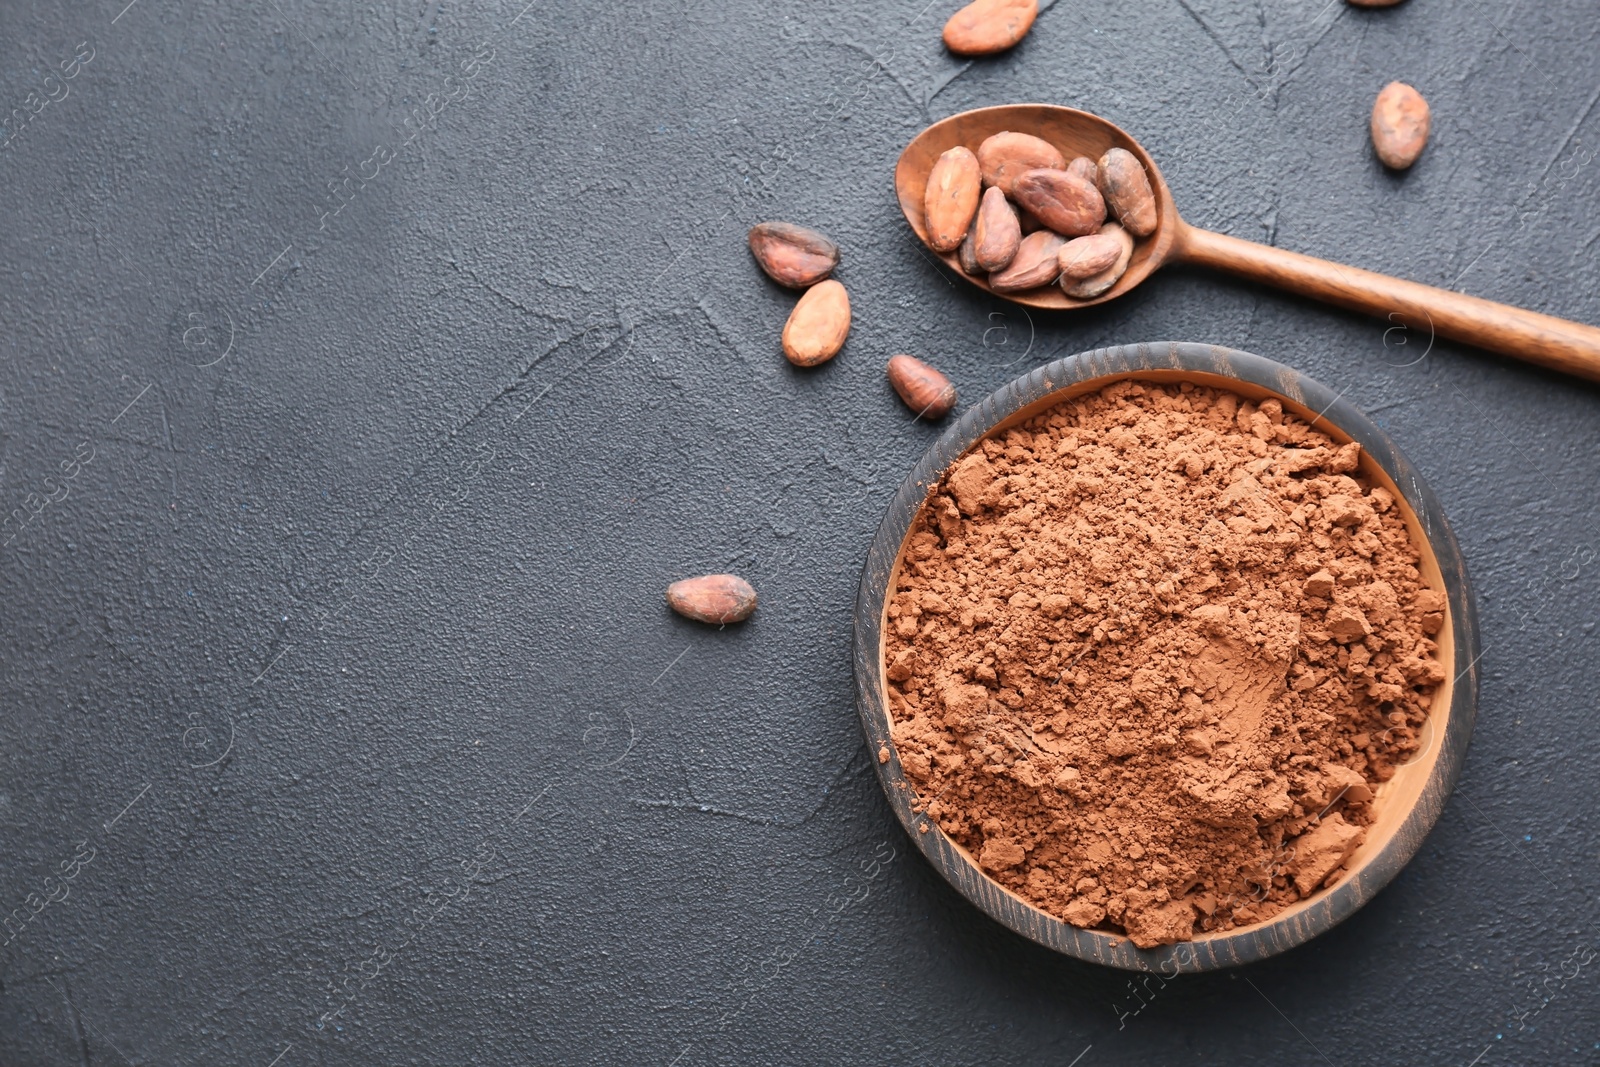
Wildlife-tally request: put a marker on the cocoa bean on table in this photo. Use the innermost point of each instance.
(793, 255)
(985, 27)
(924, 390)
(818, 325)
(1400, 123)
(713, 598)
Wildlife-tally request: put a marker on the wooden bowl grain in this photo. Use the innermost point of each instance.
(1409, 804)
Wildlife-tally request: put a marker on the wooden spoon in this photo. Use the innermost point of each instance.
(1526, 335)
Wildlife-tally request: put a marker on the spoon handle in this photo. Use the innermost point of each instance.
(1526, 335)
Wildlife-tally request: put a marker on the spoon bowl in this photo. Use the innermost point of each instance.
(1526, 335)
(1075, 133)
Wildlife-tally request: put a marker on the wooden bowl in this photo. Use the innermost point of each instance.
(1408, 804)
(1075, 133)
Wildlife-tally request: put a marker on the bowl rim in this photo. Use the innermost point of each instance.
(1105, 365)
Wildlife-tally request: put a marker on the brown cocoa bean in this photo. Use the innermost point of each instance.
(715, 598)
(1062, 201)
(968, 254)
(1400, 121)
(818, 325)
(1083, 257)
(793, 255)
(951, 198)
(925, 390)
(1126, 188)
(1035, 264)
(1085, 168)
(1004, 156)
(1097, 284)
(985, 27)
(997, 233)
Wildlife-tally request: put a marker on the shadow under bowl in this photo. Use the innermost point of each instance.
(1407, 805)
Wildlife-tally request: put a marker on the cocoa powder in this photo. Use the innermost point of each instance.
(1151, 652)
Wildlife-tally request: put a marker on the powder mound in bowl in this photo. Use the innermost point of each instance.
(1150, 653)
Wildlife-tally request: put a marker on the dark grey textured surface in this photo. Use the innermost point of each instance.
(332, 604)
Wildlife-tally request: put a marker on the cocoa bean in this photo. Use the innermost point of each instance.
(997, 233)
(715, 598)
(1062, 201)
(1126, 188)
(951, 198)
(1083, 257)
(968, 254)
(818, 325)
(1085, 168)
(985, 27)
(925, 390)
(1400, 121)
(793, 255)
(1028, 220)
(1097, 284)
(1004, 156)
(1035, 264)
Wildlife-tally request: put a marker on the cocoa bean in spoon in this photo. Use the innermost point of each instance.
(952, 198)
(1518, 333)
(1004, 156)
(1061, 200)
(997, 232)
(1036, 264)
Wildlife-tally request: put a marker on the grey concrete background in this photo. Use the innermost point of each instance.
(342, 719)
